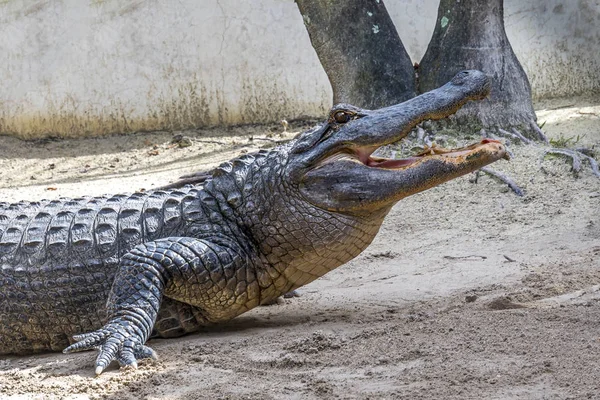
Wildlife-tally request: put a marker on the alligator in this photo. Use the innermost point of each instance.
(164, 263)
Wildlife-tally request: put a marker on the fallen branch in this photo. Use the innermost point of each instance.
(472, 257)
(205, 141)
(504, 179)
(586, 113)
(561, 107)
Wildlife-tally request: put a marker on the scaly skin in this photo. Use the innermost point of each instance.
(165, 263)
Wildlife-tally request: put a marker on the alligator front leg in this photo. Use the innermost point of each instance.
(213, 277)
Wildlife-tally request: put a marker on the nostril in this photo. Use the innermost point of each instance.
(488, 140)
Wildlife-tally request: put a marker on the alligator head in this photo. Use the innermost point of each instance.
(318, 201)
(335, 171)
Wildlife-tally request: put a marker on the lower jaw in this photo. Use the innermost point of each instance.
(383, 163)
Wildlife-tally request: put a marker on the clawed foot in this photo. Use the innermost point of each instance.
(114, 343)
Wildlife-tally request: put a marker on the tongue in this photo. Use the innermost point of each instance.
(391, 163)
(434, 150)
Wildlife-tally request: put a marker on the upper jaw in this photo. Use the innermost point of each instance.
(371, 129)
(389, 124)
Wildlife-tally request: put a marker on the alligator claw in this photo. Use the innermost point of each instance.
(144, 352)
(86, 341)
(112, 344)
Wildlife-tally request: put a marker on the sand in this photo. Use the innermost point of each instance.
(468, 291)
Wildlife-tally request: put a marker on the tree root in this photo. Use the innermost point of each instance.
(502, 178)
(593, 163)
(587, 152)
(516, 135)
(575, 166)
(539, 131)
(576, 156)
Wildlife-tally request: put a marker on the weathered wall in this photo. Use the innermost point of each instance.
(73, 67)
(558, 44)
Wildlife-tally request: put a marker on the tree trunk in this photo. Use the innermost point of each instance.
(469, 34)
(360, 50)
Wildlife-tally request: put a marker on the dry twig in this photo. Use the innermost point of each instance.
(505, 179)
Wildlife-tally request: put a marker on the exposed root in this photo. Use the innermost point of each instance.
(521, 136)
(538, 130)
(576, 160)
(576, 156)
(502, 178)
(587, 152)
(593, 164)
(515, 134)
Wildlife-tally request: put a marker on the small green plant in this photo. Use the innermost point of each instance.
(565, 141)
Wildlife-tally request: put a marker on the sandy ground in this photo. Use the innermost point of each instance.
(468, 292)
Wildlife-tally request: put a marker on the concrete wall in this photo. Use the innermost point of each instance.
(558, 44)
(75, 67)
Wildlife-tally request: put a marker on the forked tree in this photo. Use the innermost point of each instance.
(360, 38)
(368, 66)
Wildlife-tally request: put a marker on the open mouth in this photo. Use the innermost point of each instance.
(365, 157)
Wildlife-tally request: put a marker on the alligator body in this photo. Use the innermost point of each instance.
(108, 272)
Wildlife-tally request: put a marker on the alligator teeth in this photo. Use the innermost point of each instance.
(433, 150)
(363, 155)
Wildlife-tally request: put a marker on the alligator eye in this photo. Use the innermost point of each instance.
(341, 117)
